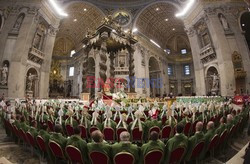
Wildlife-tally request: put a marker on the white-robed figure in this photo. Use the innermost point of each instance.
(84, 118)
(117, 112)
(130, 113)
(60, 116)
(153, 111)
(122, 123)
(202, 109)
(94, 121)
(100, 104)
(147, 106)
(108, 122)
(138, 115)
(142, 108)
(70, 114)
(164, 110)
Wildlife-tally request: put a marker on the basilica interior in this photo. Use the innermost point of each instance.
(138, 50)
(44, 54)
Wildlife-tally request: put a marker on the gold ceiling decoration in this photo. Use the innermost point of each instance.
(63, 46)
(82, 17)
(158, 22)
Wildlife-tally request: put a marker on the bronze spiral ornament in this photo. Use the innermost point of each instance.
(102, 64)
(85, 73)
(112, 71)
(131, 71)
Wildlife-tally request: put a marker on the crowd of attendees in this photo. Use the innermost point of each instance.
(204, 131)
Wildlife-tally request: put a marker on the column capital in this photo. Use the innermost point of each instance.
(52, 31)
(190, 31)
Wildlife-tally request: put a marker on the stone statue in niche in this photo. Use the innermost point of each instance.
(4, 77)
(30, 80)
(39, 37)
(224, 22)
(19, 22)
(215, 84)
(122, 61)
(37, 41)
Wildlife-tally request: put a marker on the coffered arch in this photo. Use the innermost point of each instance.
(83, 17)
(158, 22)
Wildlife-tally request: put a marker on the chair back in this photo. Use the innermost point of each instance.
(222, 137)
(16, 131)
(155, 129)
(124, 158)
(213, 142)
(31, 139)
(187, 128)
(129, 120)
(98, 157)
(119, 131)
(137, 135)
(177, 155)
(109, 134)
(163, 120)
(232, 130)
(50, 125)
(83, 132)
(154, 156)
(166, 131)
(92, 129)
(197, 150)
(69, 130)
(74, 154)
(23, 135)
(56, 149)
(41, 143)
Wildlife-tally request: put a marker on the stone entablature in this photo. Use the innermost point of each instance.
(36, 56)
(121, 71)
(207, 54)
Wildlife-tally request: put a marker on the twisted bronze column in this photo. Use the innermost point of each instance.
(112, 71)
(85, 70)
(102, 64)
(131, 70)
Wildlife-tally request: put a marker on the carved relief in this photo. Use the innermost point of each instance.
(18, 23)
(39, 37)
(238, 65)
(203, 33)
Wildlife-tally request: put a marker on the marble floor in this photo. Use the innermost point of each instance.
(11, 153)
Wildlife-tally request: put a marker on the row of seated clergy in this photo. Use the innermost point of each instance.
(99, 145)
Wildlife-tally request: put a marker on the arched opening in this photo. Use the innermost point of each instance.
(18, 22)
(212, 81)
(154, 77)
(245, 26)
(32, 83)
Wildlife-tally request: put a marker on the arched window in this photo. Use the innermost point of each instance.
(72, 53)
(19, 22)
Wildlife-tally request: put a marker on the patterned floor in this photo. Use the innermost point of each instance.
(13, 153)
